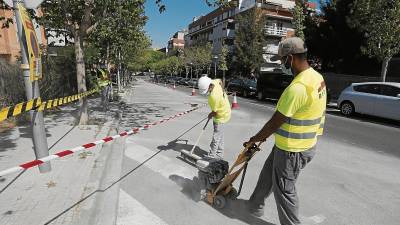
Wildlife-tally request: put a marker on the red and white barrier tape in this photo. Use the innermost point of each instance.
(61, 154)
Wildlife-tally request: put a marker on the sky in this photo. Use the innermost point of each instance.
(177, 16)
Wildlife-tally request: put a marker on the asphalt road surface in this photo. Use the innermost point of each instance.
(354, 178)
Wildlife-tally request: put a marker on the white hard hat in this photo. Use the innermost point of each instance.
(204, 83)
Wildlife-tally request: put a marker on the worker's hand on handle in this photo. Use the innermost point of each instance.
(253, 140)
(211, 115)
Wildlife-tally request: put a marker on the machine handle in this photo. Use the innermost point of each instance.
(206, 123)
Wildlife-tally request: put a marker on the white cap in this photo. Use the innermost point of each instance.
(204, 83)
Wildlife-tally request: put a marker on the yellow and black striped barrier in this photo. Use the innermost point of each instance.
(39, 105)
(19, 108)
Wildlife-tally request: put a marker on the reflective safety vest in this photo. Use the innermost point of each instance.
(219, 103)
(299, 133)
(103, 80)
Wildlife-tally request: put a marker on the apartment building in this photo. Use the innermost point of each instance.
(218, 27)
(176, 42)
(9, 44)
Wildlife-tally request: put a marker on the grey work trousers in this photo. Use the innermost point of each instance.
(279, 174)
(217, 143)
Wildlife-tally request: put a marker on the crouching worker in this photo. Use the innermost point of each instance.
(220, 112)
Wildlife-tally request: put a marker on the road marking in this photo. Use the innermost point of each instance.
(265, 106)
(162, 164)
(318, 218)
(132, 212)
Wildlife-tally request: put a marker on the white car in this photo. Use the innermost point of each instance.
(380, 99)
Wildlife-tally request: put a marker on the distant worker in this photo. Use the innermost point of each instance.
(105, 84)
(297, 122)
(220, 112)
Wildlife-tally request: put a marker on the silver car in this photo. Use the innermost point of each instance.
(380, 99)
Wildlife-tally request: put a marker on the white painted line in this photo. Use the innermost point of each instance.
(265, 106)
(317, 219)
(132, 212)
(161, 165)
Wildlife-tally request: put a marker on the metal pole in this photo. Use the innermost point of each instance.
(118, 74)
(215, 70)
(32, 91)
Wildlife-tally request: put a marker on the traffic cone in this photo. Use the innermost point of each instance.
(193, 92)
(235, 104)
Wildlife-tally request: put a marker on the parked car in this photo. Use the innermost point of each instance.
(183, 81)
(244, 87)
(171, 79)
(193, 82)
(271, 84)
(380, 99)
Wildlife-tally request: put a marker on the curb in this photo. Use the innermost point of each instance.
(102, 205)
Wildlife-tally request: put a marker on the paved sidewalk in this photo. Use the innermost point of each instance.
(345, 184)
(54, 197)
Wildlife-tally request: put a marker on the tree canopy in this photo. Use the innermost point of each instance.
(250, 40)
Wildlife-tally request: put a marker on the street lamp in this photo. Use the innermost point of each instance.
(191, 66)
(215, 66)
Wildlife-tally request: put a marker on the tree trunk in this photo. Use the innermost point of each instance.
(81, 78)
(385, 64)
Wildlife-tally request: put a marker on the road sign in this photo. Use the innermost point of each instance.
(31, 43)
(29, 4)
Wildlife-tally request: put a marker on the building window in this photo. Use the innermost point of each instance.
(279, 26)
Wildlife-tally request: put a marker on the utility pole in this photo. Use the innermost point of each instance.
(215, 66)
(118, 72)
(32, 91)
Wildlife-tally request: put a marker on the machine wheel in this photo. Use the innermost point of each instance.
(233, 194)
(219, 202)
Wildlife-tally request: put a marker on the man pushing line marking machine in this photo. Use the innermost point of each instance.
(190, 156)
(220, 113)
(296, 124)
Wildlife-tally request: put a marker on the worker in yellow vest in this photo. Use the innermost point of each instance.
(220, 112)
(105, 85)
(296, 124)
(103, 80)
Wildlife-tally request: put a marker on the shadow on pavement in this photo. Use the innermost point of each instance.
(102, 190)
(6, 141)
(176, 146)
(235, 208)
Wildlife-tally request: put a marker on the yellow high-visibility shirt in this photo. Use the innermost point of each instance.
(219, 103)
(304, 103)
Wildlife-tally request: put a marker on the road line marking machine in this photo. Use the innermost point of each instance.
(216, 179)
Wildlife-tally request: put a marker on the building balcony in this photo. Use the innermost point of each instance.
(274, 31)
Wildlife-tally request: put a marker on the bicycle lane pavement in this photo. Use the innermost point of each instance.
(158, 187)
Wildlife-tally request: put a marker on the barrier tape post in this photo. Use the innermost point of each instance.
(32, 92)
(41, 161)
